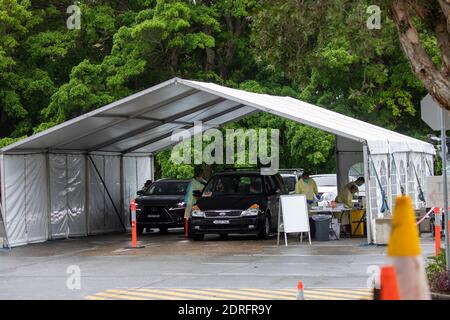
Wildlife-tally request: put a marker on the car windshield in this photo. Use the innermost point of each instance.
(324, 181)
(168, 188)
(233, 185)
(289, 182)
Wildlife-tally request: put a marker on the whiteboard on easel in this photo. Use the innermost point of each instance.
(294, 209)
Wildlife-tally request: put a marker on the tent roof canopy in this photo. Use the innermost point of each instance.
(144, 122)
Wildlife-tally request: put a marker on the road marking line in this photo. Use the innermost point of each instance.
(351, 293)
(231, 294)
(140, 294)
(307, 293)
(306, 255)
(95, 298)
(269, 291)
(185, 295)
(334, 294)
(223, 295)
(117, 296)
(268, 296)
(366, 293)
(308, 296)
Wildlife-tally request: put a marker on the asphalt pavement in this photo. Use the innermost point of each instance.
(169, 266)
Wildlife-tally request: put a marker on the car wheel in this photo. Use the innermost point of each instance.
(265, 228)
(139, 230)
(223, 235)
(198, 237)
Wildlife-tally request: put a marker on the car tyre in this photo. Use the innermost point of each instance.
(265, 228)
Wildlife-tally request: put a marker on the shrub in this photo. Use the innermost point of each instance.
(437, 274)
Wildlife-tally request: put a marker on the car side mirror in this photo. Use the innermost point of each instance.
(140, 192)
(197, 193)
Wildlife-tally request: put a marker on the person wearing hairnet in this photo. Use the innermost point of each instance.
(308, 187)
(345, 196)
(358, 183)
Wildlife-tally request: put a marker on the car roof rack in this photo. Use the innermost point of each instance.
(299, 170)
(240, 168)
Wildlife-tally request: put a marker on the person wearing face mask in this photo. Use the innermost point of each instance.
(345, 196)
(308, 187)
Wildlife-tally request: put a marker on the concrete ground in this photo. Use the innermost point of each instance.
(40, 271)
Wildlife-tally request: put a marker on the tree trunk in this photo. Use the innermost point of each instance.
(435, 81)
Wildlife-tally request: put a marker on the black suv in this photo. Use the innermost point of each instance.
(244, 202)
(161, 205)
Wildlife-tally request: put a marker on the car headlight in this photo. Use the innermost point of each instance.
(253, 210)
(196, 212)
(178, 205)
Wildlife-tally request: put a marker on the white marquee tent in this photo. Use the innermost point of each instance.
(77, 178)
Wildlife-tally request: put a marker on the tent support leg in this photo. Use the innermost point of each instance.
(49, 197)
(2, 201)
(152, 167)
(122, 189)
(107, 192)
(367, 182)
(86, 196)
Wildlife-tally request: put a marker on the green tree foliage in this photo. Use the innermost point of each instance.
(317, 51)
(335, 61)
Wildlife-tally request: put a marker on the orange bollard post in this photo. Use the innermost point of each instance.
(437, 231)
(389, 285)
(133, 224)
(300, 292)
(134, 245)
(186, 227)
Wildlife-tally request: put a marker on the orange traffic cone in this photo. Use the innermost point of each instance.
(300, 293)
(389, 286)
(404, 248)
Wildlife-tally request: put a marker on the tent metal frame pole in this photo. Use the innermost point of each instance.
(86, 194)
(152, 167)
(336, 154)
(122, 188)
(153, 140)
(49, 197)
(132, 116)
(3, 201)
(368, 207)
(107, 192)
(151, 126)
(445, 191)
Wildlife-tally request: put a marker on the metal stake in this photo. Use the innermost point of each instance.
(444, 176)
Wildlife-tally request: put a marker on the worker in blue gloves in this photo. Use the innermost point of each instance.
(308, 187)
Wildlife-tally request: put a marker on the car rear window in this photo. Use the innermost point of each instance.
(168, 188)
(233, 185)
(289, 182)
(325, 181)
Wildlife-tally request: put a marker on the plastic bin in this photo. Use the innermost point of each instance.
(322, 224)
(356, 216)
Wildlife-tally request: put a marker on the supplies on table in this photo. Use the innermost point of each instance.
(340, 206)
